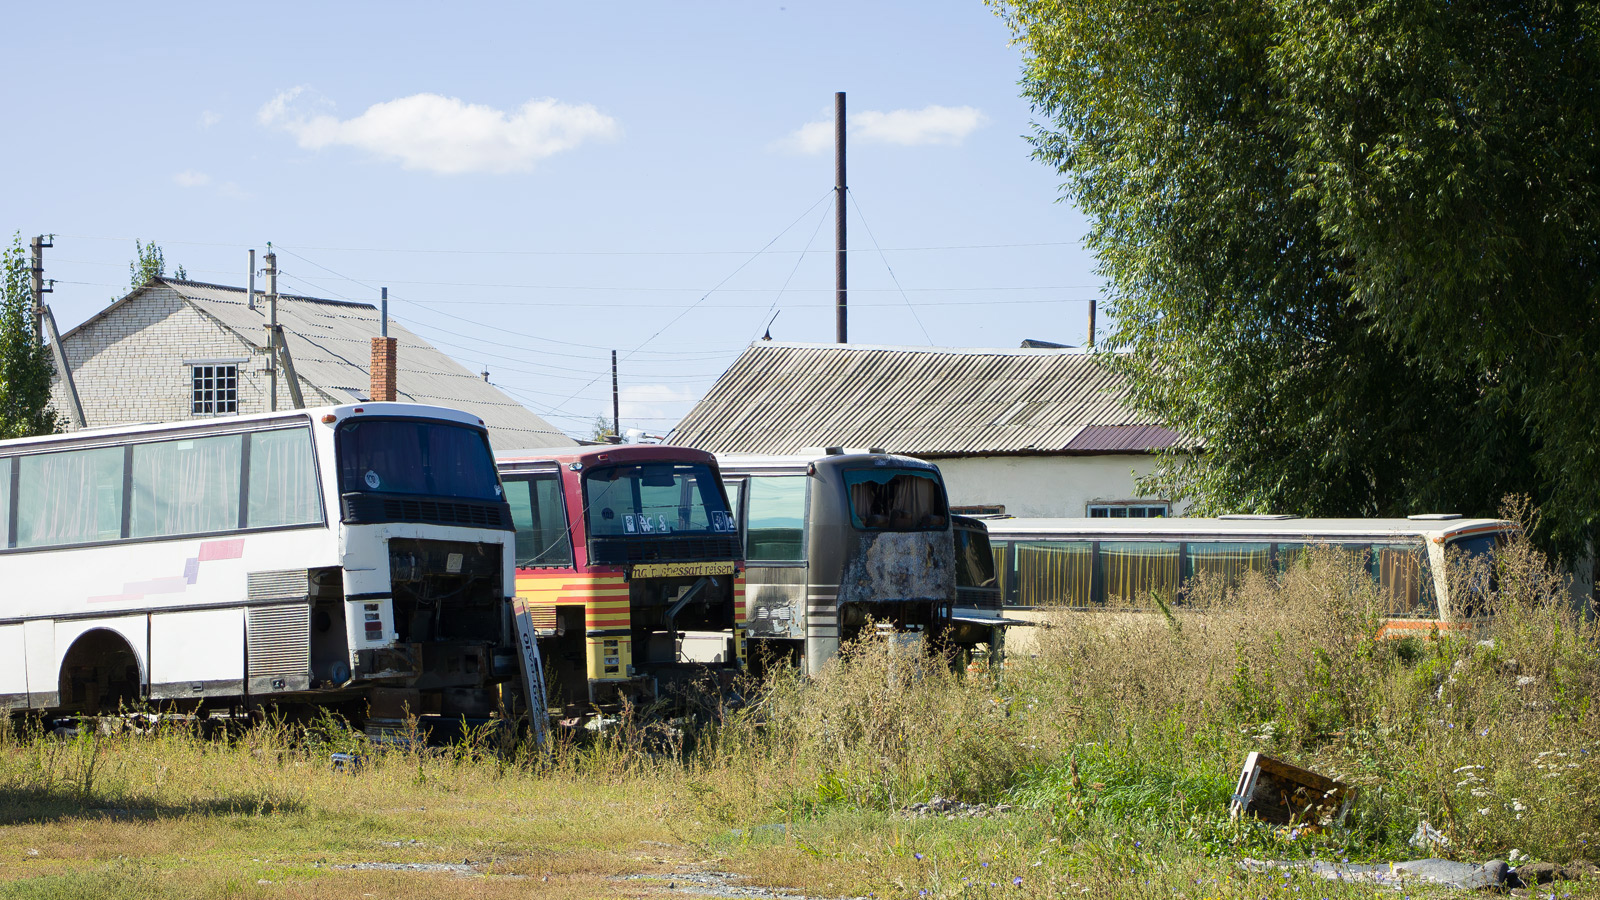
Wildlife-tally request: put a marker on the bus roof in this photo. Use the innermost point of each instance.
(243, 422)
(595, 454)
(1243, 528)
(797, 462)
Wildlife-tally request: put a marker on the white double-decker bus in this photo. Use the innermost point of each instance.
(347, 553)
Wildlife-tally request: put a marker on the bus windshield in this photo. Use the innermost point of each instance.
(883, 499)
(416, 456)
(655, 498)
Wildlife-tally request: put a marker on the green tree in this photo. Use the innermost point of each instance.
(600, 429)
(25, 367)
(1350, 245)
(149, 263)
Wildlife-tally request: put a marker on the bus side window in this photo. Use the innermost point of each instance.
(539, 513)
(188, 486)
(1226, 560)
(1131, 570)
(5, 500)
(1052, 573)
(734, 487)
(283, 480)
(1004, 572)
(1402, 573)
(777, 516)
(73, 497)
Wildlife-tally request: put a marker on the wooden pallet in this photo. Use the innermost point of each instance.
(1277, 792)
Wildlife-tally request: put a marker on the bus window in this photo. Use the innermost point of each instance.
(1005, 561)
(5, 501)
(1290, 555)
(974, 559)
(1133, 569)
(1227, 560)
(283, 480)
(883, 499)
(1053, 573)
(186, 486)
(1403, 575)
(410, 456)
(776, 518)
(73, 497)
(654, 499)
(733, 489)
(1473, 557)
(539, 512)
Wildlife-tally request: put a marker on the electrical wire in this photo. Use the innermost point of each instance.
(913, 309)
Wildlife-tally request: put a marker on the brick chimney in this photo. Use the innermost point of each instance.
(383, 373)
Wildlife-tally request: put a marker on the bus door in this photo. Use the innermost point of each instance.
(549, 586)
(773, 522)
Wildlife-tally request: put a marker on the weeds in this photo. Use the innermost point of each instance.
(1118, 745)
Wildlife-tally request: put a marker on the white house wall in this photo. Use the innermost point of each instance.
(133, 363)
(1045, 486)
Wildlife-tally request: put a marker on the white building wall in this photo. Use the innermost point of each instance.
(1046, 486)
(133, 364)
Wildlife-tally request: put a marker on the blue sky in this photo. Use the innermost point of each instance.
(539, 183)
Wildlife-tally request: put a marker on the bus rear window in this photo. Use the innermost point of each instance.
(896, 500)
(416, 456)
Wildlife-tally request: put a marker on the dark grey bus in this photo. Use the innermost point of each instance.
(837, 542)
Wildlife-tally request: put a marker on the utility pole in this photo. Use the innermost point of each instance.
(272, 329)
(1092, 304)
(842, 320)
(36, 271)
(250, 292)
(616, 405)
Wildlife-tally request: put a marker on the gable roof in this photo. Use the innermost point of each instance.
(924, 401)
(331, 344)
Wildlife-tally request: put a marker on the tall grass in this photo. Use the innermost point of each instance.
(1124, 735)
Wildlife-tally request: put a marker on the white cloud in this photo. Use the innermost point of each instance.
(905, 127)
(189, 178)
(209, 118)
(442, 134)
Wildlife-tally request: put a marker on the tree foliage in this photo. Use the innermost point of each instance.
(149, 263)
(1351, 245)
(25, 367)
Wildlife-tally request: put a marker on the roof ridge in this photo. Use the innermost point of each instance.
(175, 283)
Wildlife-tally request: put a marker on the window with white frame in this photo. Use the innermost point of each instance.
(1145, 510)
(215, 390)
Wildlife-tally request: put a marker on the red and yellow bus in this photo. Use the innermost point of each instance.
(630, 564)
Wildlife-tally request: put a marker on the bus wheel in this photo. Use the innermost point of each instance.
(100, 673)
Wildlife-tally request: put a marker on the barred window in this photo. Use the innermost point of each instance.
(1129, 510)
(216, 390)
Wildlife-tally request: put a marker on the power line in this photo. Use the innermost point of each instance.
(448, 251)
(914, 316)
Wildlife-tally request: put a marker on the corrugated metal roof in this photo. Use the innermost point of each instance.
(781, 397)
(331, 343)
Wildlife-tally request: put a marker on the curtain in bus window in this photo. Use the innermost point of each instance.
(1403, 574)
(1054, 573)
(70, 498)
(1007, 578)
(540, 519)
(1135, 569)
(1227, 560)
(283, 479)
(185, 487)
(777, 514)
(894, 500)
(5, 502)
